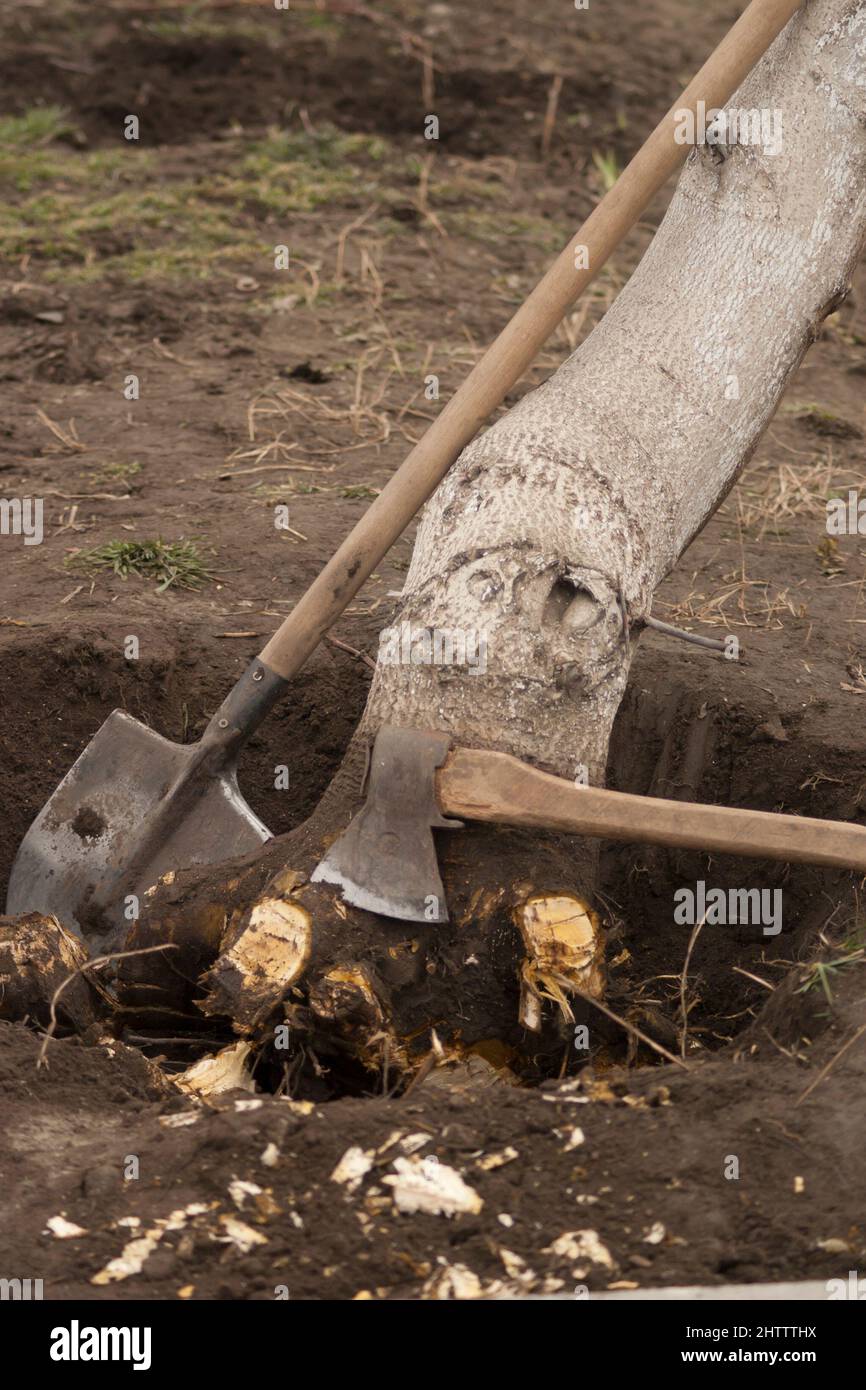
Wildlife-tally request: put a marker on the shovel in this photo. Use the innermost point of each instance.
(135, 805)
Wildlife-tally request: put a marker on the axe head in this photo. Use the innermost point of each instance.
(385, 861)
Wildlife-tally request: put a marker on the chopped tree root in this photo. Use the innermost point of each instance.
(38, 958)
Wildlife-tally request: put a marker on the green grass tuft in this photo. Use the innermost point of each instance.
(178, 563)
(822, 974)
(359, 490)
(38, 126)
(114, 472)
(608, 168)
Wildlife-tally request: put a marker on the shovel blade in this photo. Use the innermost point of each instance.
(74, 860)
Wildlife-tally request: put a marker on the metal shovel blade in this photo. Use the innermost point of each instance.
(134, 806)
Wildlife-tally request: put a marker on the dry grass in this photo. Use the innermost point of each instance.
(741, 603)
(769, 494)
(68, 437)
(287, 424)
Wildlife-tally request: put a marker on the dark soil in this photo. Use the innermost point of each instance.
(655, 1161)
(491, 71)
(780, 729)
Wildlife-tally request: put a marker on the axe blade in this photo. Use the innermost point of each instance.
(385, 861)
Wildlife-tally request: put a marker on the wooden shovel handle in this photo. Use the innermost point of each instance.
(512, 352)
(478, 785)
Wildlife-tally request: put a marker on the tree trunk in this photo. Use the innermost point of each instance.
(554, 527)
(542, 549)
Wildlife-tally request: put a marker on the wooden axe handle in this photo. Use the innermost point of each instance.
(478, 785)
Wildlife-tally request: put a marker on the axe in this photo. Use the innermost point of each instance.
(385, 861)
